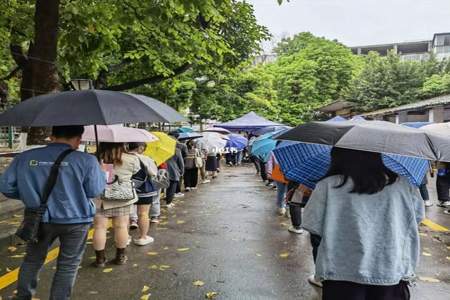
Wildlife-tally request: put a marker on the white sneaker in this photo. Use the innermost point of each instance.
(179, 195)
(282, 211)
(428, 203)
(444, 203)
(170, 206)
(312, 280)
(206, 181)
(295, 230)
(143, 242)
(188, 189)
(154, 220)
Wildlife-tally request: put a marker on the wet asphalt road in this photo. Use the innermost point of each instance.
(226, 235)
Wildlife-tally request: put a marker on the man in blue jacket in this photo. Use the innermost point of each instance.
(70, 208)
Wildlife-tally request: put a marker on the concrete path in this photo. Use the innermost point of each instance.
(227, 239)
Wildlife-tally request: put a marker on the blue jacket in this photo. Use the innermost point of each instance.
(80, 179)
(367, 239)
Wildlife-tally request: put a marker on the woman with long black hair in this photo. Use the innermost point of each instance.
(368, 219)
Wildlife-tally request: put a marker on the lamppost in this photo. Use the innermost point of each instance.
(82, 84)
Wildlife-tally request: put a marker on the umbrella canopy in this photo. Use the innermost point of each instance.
(212, 142)
(161, 150)
(185, 130)
(308, 163)
(88, 107)
(374, 136)
(263, 146)
(416, 124)
(268, 129)
(184, 136)
(237, 141)
(218, 130)
(117, 134)
(248, 122)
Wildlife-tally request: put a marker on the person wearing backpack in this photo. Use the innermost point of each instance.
(146, 190)
(69, 210)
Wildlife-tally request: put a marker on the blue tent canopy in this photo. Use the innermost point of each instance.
(248, 122)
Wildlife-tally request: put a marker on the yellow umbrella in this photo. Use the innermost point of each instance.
(161, 150)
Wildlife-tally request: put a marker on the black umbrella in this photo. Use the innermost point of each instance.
(374, 136)
(88, 107)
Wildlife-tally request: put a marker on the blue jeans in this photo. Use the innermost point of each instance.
(281, 193)
(155, 209)
(72, 238)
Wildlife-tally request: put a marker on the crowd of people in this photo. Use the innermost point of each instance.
(121, 184)
(351, 212)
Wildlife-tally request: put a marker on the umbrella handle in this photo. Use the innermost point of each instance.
(97, 154)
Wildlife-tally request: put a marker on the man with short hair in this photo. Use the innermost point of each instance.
(70, 210)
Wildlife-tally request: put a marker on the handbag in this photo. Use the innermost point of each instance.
(198, 160)
(161, 181)
(119, 190)
(28, 230)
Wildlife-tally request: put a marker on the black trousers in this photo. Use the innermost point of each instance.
(424, 192)
(190, 177)
(315, 243)
(340, 290)
(262, 169)
(171, 190)
(295, 211)
(443, 186)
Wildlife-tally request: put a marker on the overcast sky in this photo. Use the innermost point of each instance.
(356, 22)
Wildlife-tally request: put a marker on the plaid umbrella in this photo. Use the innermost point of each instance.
(308, 163)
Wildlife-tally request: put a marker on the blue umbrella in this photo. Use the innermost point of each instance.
(416, 124)
(264, 145)
(185, 130)
(236, 141)
(308, 163)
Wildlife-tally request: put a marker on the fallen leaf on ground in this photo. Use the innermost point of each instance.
(92, 257)
(152, 253)
(423, 234)
(448, 257)
(12, 249)
(166, 248)
(93, 293)
(181, 222)
(183, 249)
(258, 254)
(8, 269)
(135, 265)
(17, 256)
(198, 283)
(164, 267)
(284, 255)
(145, 297)
(211, 295)
(426, 254)
(107, 270)
(145, 289)
(153, 267)
(429, 279)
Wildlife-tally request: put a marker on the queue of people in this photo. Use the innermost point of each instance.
(121, 184)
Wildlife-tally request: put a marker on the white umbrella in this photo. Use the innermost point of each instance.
(212, 142)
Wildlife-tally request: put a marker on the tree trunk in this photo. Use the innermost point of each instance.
(39, 75)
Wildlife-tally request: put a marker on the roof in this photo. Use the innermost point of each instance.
(335, 106)
(441, 100)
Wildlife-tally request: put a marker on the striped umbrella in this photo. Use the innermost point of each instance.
(308, 163)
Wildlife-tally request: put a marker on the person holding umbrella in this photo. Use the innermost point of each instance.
(359, 205)
(116, 203)
(69, 209)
